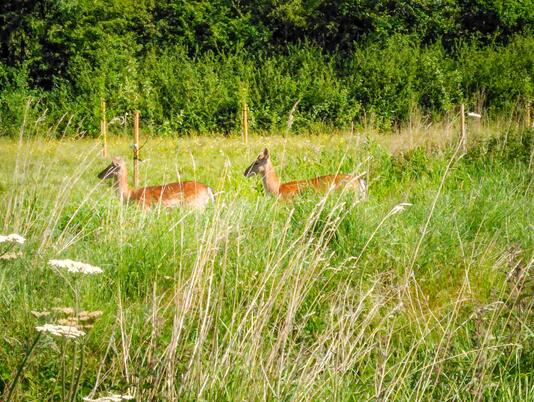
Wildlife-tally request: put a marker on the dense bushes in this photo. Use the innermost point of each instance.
(189, 66)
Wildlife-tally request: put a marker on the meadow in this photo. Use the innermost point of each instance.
(422, 291)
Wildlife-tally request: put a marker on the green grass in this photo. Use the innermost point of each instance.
(319, 299)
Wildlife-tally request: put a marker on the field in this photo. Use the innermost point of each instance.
(422, 291)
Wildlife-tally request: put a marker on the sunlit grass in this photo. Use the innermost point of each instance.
(420, 292)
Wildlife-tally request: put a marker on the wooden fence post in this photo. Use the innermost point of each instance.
(463, 138)
(136, 148)
(244, 124)
(528, 121)
(104, 128)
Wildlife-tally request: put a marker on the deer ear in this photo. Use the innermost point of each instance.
(116, 160)
(265, 153)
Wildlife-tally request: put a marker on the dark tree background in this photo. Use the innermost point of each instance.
(189, 64)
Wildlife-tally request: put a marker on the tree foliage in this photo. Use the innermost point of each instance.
(188, 64)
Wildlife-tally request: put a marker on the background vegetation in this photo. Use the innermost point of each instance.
(188, 65)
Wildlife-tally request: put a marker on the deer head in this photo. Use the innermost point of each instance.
(113, 170)
(259, 165)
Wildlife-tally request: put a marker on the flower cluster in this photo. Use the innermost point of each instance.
(75, 266)
(84, 319)
(63, 331)
(63, 310)
(110, 398)
(10, 255)
(12, 238)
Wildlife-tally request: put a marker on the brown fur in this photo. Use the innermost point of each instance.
(264, 167)
(187, 193)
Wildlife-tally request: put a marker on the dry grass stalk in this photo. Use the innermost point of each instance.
(291, 116)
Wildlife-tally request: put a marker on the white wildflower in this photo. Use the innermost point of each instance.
(110, 398)
(10, 256)
(64, 331)
(400, 207)
(89, 315)
(63, 310)
(84, 319)
(12, 238)
(70, 321)
(76, 266)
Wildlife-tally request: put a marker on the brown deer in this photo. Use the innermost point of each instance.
(264, 167)
(187, 193)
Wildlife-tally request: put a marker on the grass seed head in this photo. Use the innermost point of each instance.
(400, 207)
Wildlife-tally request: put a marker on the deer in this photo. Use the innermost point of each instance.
(186, 193)
(263, 167)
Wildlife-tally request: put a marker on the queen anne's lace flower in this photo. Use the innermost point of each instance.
(10, 255)
(76, 266)
(64, 331)
(110, 398)
(63, 310)
(12, 238)
(81, 320)
(89, 315)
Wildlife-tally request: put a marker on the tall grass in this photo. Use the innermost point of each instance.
(324, 298)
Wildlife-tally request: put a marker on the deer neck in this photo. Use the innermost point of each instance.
(271, 182)
(122, 185)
